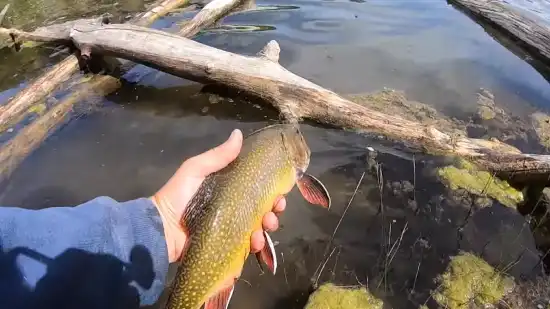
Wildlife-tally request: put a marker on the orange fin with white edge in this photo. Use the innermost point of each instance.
(221, 299)
(267, 254)
(314, 191)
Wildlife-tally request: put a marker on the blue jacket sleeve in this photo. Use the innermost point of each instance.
(101, 254)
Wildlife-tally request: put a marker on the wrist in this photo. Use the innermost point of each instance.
(173, 234)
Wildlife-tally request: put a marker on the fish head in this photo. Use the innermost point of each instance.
(296, 148)
(299, 154)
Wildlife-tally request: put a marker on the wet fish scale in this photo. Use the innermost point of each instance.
(227, 208)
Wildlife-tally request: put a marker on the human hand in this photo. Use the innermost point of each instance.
(172, 199)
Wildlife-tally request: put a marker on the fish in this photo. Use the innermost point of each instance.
(230, 204)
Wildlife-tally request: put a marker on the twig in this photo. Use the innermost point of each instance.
(341, 219)
(416, 275)
(323, 267)
(284, 268)
(398, 243)
(541, 259)
(347, 207)
(3, 13)
(414, 178)
(511, 264)
(380, 178)
(336, 263)
(484, 191)
(391, 254)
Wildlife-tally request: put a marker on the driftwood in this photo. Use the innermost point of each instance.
(532, 35)
(295, 97)
(29, 138)
(41, 87)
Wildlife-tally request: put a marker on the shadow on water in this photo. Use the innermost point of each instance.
(76, 279)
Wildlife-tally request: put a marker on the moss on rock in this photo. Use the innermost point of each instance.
(330, 296)
(467, 177)
(541, 123)
(394, 102)
(469, 281)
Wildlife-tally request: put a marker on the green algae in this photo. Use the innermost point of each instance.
(467, 177)
(468, 281)
(541, 124)
(486, 113)
(330, 296)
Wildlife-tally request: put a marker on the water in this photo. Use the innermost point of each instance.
(426, 48)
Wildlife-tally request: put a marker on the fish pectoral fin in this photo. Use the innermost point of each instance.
(268, 255)
(314, 191)
(221, 299)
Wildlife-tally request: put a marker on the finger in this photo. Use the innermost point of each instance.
(270, 222)
(216, 158)
(257, 241)
(279, 206)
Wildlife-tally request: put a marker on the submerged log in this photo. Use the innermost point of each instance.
(41, 87)
(295, 97)
(29, 138)
(532, 35)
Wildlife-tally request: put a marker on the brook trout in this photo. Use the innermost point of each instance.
(230, 205)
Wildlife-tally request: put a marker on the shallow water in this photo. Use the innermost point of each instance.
(433, 52)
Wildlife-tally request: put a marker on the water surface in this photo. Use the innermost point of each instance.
(434, 53)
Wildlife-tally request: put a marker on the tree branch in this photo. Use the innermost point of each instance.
(29, 138)
(293, 95)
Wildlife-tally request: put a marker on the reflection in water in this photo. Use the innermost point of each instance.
(239, 28)
(131, 146)
(29, 14)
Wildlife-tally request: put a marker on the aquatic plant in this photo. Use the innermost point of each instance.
(330, 296)
(466, 176)
(532, 294)
(470, 281)
(541, 124)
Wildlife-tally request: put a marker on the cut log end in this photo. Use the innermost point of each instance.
(271, 51)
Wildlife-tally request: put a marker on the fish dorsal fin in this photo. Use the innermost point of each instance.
(199, 203)
(221, 299)
(265, 129)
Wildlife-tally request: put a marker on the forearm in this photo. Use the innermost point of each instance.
(102, 252)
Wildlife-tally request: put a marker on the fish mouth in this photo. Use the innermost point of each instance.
(300, 173)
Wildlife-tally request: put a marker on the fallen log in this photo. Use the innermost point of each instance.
(29, 138)
(295, 97)
(41, 87)
(54, 34)
(532, 35)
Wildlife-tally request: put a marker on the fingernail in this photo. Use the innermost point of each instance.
(234, 133)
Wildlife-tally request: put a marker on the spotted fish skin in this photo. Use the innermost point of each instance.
(229, 206)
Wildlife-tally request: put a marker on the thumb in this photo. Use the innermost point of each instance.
(218, 157)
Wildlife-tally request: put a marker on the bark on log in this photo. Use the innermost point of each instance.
(51, 80)
(29, 138)
(294, 96)
(55, 34)
(534, 36)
